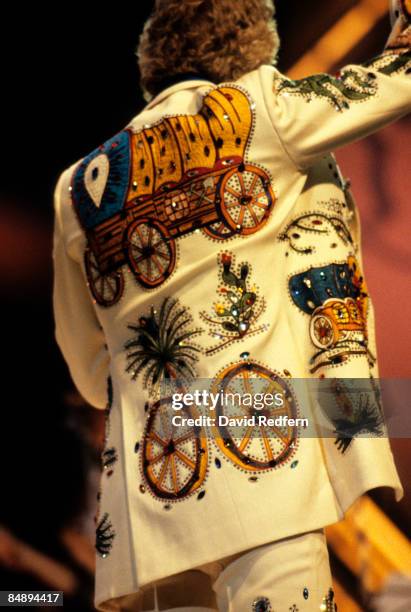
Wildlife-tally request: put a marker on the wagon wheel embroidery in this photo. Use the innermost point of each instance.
(218, 231)
(255, 448)
(174, 459)
(106, 289)
(241, 306)
(245, 199)
(321, 331)
(151, 253)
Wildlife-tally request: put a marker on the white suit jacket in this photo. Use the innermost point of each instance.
(214, 238)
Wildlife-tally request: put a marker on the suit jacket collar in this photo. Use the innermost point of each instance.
(186, 83)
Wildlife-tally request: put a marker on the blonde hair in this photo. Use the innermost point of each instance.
(219, 39)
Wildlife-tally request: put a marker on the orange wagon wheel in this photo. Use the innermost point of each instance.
(255, 448)
(246, 198)
(151, 252)
(322, 331)
(218, 231)
(106, 289)
(174, 458)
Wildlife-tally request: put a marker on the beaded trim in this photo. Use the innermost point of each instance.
(236, 314)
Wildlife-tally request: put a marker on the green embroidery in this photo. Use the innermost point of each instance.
(353, 409)
(397, 63)
(239, 308)
(350, 86)
(162, 345)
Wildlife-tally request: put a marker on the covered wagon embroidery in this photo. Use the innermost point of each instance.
(336, 298)
(139, 192)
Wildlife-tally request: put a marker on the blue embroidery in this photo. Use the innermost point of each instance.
(312, 288)
(117, 152)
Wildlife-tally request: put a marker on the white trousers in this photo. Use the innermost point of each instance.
(290, 575)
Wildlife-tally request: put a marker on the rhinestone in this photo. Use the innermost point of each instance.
(142, 488)
(287, 373)
(135, 185)
(70, 188)
(252, 105)
(167, 507)
(305, 593)
(243, 326)
(136, 447)
(238, 226)
(253, 478)
(234, 312)
(226, 117)
(201, 495)
(294, 464)
(262, 604)
(245, 355)
(173, 204)
(217, 462)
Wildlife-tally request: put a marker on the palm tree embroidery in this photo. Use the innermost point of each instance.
(363, 416)
(162, 346)
(105, 535)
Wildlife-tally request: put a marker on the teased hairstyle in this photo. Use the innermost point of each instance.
(219, 39)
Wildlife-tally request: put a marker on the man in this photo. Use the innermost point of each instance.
(215, 239)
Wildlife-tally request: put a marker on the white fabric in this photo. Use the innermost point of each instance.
(291, 572)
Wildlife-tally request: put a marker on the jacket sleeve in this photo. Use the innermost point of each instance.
(315, 115)
(77, 330)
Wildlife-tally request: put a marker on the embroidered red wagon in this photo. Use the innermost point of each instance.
(140, 191)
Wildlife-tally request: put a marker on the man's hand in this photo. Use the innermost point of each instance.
(400, 37)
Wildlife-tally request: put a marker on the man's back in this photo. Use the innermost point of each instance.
(220, 247)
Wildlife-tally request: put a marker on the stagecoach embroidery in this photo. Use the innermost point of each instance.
(236, 315)
(162, 346)
(336, 298)
(139, 192)
(254, 448)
